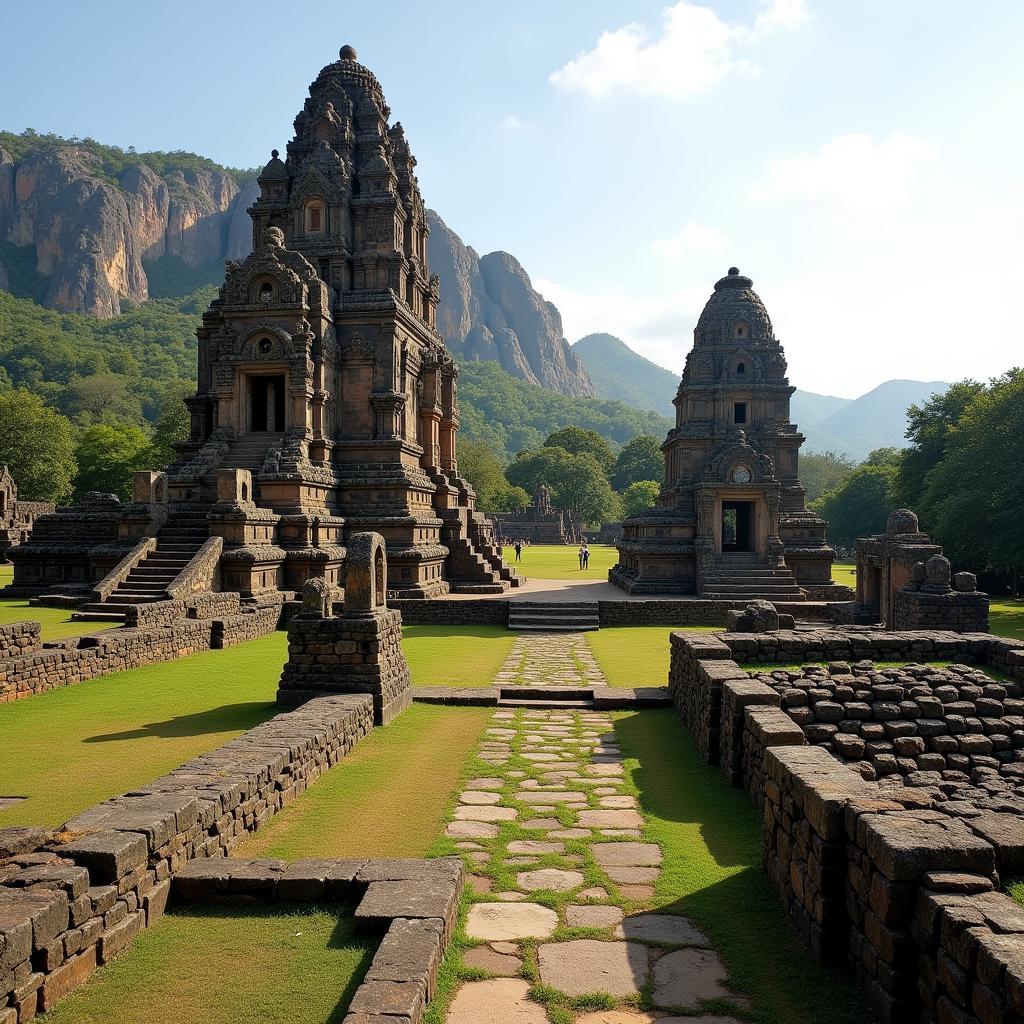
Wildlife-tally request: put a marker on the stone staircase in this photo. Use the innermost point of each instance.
(743, 578)
(476, 565)
(177, 543)
(553, 617)
(248, 452)
(546, 697)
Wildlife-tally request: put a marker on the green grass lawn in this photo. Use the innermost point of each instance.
(845, 573)
(711, 841)
(220, 965)
(455, 655)
(1006, 617)
(6, 573)
(55, 622)
(636, 655)
(389, 798)
(560, 562)
(72, 747)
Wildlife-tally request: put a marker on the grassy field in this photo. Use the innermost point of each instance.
(388, 798)
(845, 573)
(636, 655)
(221, 965)
(69, 748)
(55, 622)
(711, 840)
(560, 562)
(1006, 617)
(455, 655)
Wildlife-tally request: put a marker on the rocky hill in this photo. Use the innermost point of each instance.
(490, 312)
(624, 375)
(87, 231)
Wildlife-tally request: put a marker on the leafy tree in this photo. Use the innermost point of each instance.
(823, 471)
(108, 455)
(860, 505)
(577, 441)
(929, 428)
(640, 496)
(482, 468)
(641, 459)
(974, 494)
(172, 424)
(578, 482)
(37, 445)
(510, 499)
(102, 398)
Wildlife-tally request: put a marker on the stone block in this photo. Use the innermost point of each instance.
(45, 910)
(108, 855)
(69, 976)
(115, 940)
(904, 847)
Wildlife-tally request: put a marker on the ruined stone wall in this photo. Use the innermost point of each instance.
(446, 612)
(962, 612)
(76, 659)
(19, 638)
(888, 863)
(197, 606)
(74, 900)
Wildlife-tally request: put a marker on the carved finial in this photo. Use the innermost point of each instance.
(273, 237)
(274, 154)
(347, 52)
(733, 271)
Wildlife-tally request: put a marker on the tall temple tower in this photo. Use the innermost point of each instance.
(730, 521)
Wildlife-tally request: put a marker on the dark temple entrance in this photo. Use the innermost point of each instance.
(737, 519)
(266, 396)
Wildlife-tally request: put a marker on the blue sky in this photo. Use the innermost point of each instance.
(860, 160)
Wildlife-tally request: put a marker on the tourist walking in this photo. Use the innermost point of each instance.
(518, 548)
(579, 555)
(586, 556)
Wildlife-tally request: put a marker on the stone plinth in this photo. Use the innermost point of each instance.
(359, 651)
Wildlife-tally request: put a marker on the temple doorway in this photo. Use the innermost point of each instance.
(266, 403)
(737, 520)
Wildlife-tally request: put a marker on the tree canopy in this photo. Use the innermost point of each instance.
(639, 459)
(37, 445)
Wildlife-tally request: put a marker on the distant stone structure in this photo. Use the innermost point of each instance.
(905, 582)
(327, 402)
(540, 523)
(358, 651)
(16, 517)
(730, 521)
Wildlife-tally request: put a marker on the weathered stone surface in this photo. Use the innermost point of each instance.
(627, 854)
(590, 965)
(611, 819)
(108, 855)
(555, 879)
(592, 916)
(488, 960)
(501, 921)
(666, 929)
(687, 976)
(498, 1001)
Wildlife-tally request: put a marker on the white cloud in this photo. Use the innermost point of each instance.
(514, 124)
(855, 169)
(694, 51)
(690, 240)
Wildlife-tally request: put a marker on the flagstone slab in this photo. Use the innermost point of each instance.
(611, 819)
(487, 959)
(470, 830)
(501, 921)
(486, 813)
(664, 928)
(632, 876)
(685, 977)
(592, 915)
(540, 823)
(534, 846)
(640, 855)
(590, 965)
(554, 879)
(476, 796)
(497, 1001)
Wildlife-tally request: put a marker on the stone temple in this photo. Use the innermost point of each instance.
(540, 522)
(730, 521)
(326, 403)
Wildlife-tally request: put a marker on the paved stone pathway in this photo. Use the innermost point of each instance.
(563, 879)
(550, 659)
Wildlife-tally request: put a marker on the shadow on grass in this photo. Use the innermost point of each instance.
(225, 718)
(711, 840)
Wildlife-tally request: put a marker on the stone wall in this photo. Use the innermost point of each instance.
(198, 606)
(446, 612)
(19, 638)
(72, 901)
(76, 659)
(961, 612)
(887, 863)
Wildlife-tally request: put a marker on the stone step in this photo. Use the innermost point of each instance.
(96, 612)
(553, 628)
(503, 703)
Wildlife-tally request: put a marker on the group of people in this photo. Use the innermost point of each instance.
(518, 544)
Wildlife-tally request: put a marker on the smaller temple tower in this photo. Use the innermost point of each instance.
(730, 521)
